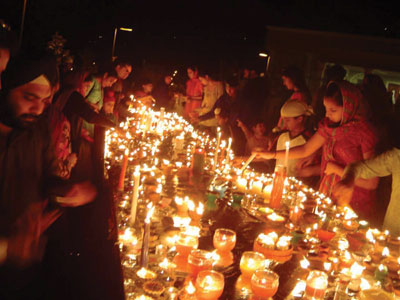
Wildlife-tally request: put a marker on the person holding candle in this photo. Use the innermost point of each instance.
(344, 136)
(298, 119)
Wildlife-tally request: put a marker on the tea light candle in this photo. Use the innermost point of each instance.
(144, 273)
(351, 225)
(250, 262)
(276, 218)
(224, 239)
(316, 284)
(264, 283)
(186, 243)
(381, 273)
(199, 260)
(295, 214)
(209, 285)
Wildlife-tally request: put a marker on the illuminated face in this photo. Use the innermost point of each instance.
(4, 58)
(147, 88)
(293, 123)
(259, 129)
(27, 102)
(334, 112)
(231, 91)
(108, 81)
(108, 107)
(191, 73)
(288, 83)
(168, 80)
(123, 71)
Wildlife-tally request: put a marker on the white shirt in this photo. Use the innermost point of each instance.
(281, 145)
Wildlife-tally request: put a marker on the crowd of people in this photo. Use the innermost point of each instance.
(53, 215)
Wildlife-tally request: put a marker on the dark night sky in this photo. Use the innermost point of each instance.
(183, 30)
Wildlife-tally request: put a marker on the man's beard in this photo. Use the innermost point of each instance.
(26, 120)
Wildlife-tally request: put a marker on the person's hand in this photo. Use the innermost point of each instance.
(72, 159)
(239, 123)
(24, 246)
(343, 193)
(80, 194)
(261, 153)
(332, 168)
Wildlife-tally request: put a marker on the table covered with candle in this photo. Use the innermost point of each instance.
(192, 226)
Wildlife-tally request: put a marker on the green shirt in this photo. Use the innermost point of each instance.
(382, 165)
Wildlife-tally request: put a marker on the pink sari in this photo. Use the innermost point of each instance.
(347, 143)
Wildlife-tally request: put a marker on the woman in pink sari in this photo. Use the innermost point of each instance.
(345, 137)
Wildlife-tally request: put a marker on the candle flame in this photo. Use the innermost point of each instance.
(304, 263)
(191, 205)
(299, 289)
(364, 284)
(356, 270)
(200, 209)
(370, 237)
(349, 213)
(327, 266)
(385, 252)
(190, 289)
(164, 264)
(151, 207)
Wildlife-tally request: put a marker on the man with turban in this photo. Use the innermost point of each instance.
(26, 179)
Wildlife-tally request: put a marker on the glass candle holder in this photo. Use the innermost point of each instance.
(186, 243)
(316, 284)
(199, 260)
(224, 239)
(209, 285)
(250, 262)
(264, 284)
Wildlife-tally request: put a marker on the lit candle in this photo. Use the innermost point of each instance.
(316, 284)
(199, 260)
(229, 148)
(123, 170)
(295, 214)
(146, 236)
(250, 262)
(264, 283)
(186, 243)
(253, 156)
(224, 240)
(381, 273)
(135, 194)
(287, 146)
(216, 149)
(209, 285)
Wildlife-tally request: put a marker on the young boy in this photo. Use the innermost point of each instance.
(295, 116)
(255, 137)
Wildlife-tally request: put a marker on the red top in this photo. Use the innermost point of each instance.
(194, 88)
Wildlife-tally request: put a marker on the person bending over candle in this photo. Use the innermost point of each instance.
(345, 137)
(387, 163)
(297, 117)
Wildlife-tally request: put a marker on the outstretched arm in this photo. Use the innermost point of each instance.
(312, 145)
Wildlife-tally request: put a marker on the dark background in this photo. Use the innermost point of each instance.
(174, 33)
